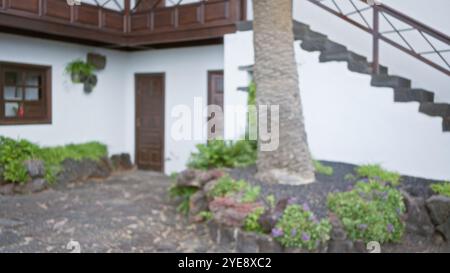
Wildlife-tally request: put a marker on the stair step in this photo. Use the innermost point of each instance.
(248, 68)
(365, 67)
(244, 25)
(446, 124)
(342, 56)
(383, 70)
(300, 30)
(382, 80)
(435, 109)
(408, 95)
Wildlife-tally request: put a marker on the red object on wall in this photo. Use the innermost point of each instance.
(21, 111)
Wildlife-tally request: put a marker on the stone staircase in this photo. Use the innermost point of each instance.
(333, 52)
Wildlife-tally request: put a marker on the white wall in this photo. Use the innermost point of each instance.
(107, 114)
(76, 117)
(347, 120)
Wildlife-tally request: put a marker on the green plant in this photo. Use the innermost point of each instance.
(79, 70)
(14, 152)
(206, 215)
(251, 222)
(222, 154)
(441, 188)
(251, 194)
(375, 171)
(184, 193)
(173, 176)
(54, 156)
(322, 169)
(349, 177)
(12, 155)
(251, 100)
(270, 199)
(227, 186)
(298, 227)
(370, 212)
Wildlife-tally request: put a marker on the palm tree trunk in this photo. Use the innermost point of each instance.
(276, 79)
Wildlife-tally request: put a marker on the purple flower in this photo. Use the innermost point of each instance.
(291, 200)
(277, 232)
(362, 226)
(390, 228)
(305, 236)
(306, 207)
(293, 232)
(313, 218)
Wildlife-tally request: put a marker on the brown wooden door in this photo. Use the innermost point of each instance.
(215, 97)
(150, 121)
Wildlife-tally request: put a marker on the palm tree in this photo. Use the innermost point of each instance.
(277, 83)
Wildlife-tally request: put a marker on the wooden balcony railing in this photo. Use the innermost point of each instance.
(122, 23)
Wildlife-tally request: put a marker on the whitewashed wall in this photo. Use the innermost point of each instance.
(347, 120)
(107, 114)
(77, 117)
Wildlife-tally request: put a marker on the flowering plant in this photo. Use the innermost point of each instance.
(370, 212)
(299, 227)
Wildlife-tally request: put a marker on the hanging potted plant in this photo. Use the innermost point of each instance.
(80, 71)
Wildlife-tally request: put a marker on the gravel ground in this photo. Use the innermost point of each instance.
(128, 212)
(315, 195)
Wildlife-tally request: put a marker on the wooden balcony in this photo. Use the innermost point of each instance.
(160, 26)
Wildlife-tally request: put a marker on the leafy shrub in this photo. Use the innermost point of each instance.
(298, 227)
(54, 156)
(441, 188)
(270, 200)
(227, 186)
(251, 194)
(14, 152)
(12, 155)
(322, 169)
(251, 222)
(184, 193)
(375, 171)
(370, 212)
(222, 154)
(206, 215)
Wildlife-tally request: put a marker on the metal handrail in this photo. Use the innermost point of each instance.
(382, 11)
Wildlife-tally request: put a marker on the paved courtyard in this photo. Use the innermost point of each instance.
(129, 212)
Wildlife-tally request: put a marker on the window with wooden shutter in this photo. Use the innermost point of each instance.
(25, 94)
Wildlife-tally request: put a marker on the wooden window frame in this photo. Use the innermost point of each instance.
(46, 93)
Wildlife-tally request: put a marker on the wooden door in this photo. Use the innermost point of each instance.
(150, 121)
(215, 97)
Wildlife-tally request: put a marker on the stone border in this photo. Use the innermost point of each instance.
(72, 171)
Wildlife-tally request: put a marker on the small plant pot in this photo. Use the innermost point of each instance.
(89, 83)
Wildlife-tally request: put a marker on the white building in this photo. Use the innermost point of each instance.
(160, 55)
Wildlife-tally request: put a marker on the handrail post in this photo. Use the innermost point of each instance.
(376, 41)
(127, 13)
